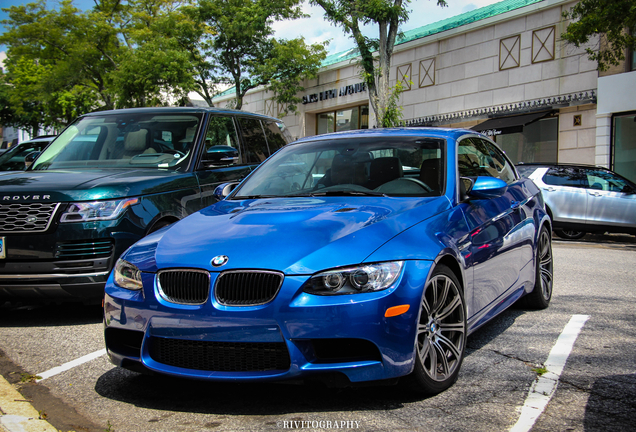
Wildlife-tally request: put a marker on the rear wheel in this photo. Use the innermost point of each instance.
(441, 334)
(569, 234)
(540, 296)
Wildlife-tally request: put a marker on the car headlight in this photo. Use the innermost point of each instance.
(352, 280)
(96, 210)
(127, 275)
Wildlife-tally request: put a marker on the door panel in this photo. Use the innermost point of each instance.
(607, 203)
(221, 131)
(496, 225)
(564, 192)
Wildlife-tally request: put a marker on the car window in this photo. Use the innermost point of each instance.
(13, 159)
(477, 157)
(122, 140)
(565, 176)
(275, 133)
(256, 149)
(606, 181)
(399, 166)
(221, 132)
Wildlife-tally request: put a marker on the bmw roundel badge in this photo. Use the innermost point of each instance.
(219, 260)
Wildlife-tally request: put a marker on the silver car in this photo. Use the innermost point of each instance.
(582, 199)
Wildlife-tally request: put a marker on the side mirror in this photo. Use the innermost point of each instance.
(30, 158)
(220, 155)
(224, 190)
(487, 188)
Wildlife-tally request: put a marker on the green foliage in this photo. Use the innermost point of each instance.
(615, 20)
(247, 56)
(153, 67)
(540, 370)
(63, 62)
(69, 54)
(392, 114)
(20, 95)
(375, 53)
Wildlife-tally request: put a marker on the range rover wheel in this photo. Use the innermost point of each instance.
(569, 234)
(441, 334)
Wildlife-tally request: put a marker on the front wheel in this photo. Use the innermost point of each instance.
(569, 234)
(441, 334)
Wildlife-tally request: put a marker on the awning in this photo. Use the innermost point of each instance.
(508, 125)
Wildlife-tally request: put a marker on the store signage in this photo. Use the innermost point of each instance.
(492, 132)
(334, 93)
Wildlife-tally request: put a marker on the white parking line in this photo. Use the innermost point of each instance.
(70, 365)
(545, 386)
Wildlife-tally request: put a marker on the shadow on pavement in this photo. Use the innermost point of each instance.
(603, 239)
(611, 404)
(47, 315)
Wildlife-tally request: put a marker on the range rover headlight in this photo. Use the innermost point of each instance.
(353, 280)
(96, 210)
(127, 275)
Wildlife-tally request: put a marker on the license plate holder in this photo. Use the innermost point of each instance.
(3, 250)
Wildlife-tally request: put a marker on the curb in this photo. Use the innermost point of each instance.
(17, 414)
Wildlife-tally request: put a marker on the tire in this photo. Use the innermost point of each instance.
(539, 297)
(440, 345)
(569, 234)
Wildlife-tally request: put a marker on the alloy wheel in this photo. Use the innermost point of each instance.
(545, 264)
(441, 333)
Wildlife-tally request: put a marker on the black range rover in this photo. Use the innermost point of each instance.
(111, 178)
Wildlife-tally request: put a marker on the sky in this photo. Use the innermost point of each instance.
(316, 29)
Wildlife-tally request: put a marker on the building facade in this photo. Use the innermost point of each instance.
(503, 70)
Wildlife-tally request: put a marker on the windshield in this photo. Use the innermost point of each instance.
(124, 140)
(387, 166)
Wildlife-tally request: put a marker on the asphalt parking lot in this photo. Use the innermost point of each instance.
(596, 391)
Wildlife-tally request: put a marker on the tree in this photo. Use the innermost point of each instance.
(153, 66)
(19, 96)
(614, 20)
(246, 54)
(73, 51)
(375, 53)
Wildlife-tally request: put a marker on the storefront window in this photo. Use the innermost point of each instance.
(325, 123)
(536, 143)
(624, 149)
(343, 120)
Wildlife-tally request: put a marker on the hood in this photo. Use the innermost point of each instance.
(89, 185)
(294, 235)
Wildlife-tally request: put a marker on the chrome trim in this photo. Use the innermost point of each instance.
(52, 275)
(282, 279)
(48, 225)
(174, 270)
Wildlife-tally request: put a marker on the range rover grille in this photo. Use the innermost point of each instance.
(220, 356)
(184, 286)
(27, 217)
(246, 288)
(84, 249)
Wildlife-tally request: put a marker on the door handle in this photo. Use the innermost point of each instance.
(549, 189)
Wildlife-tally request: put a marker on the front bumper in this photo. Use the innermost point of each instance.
(72, 262)
(346, 334)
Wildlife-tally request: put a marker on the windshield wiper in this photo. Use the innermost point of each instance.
(247, 197)
(347, 193)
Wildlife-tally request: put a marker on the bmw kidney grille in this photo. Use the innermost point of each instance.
(184, 286)
(247, 288)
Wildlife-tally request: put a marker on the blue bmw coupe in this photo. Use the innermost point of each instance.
(366, 255)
